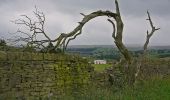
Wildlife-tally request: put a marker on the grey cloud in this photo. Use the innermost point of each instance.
(128, 7)
(63, 15)
(139, 7)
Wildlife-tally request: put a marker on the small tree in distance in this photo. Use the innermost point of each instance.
(2, 42)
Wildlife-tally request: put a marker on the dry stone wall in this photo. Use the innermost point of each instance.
(26, 76)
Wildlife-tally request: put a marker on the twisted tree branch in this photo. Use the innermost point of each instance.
(117, 35)
(77, 31)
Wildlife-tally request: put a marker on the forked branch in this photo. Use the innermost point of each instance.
(149, 34)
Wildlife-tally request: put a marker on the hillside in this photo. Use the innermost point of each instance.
(110, 52)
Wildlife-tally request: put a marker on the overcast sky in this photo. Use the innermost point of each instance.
(63, 15)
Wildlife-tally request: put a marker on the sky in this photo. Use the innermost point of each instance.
(64, 15)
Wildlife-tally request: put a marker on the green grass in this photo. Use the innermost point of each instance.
(101, 67)
(154, 89)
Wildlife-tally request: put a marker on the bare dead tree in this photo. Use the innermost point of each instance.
(37, 27)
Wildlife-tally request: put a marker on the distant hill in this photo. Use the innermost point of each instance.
(130, 47)
(111, 51)
(91, 46)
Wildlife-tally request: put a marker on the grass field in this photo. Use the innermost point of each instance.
(101, 67)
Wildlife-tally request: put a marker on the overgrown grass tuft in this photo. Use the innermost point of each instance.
(154, 89)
